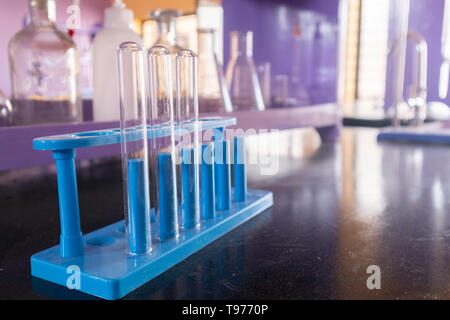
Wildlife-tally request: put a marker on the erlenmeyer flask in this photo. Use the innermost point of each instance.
(213, 93)
(241, 75)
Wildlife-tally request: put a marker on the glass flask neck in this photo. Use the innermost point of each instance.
(241, 44)
(167, 29)
(39, 13)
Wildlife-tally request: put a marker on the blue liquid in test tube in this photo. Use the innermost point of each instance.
(167, 197)
(207, 197)
(222, 175)
(190, 218)
(139, 222)
(240, 177)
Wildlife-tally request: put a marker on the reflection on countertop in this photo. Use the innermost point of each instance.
(338, 209)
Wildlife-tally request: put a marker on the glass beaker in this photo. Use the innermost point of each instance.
(213, 93)
(241, 75)
(44, 70)
(371, 70)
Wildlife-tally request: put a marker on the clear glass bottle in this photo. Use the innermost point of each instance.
(213, 93)
(167, 35)
(44, 69)
(241, 75)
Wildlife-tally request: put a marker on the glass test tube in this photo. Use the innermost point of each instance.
(163, 148)
(187, 117)
(133, 129)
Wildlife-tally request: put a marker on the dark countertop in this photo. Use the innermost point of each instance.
(338, 209)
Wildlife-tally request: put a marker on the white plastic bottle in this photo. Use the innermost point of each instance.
(117, 28)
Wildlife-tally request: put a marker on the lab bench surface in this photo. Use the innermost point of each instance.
(338, 209)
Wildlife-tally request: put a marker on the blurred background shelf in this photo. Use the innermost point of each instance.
(16, 141)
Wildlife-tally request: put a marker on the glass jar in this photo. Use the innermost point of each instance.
(241, 75)
(44, 69)
(213, 93)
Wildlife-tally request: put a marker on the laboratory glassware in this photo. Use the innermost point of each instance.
(397, 39)
(263, 71)
(417, 90)
(382, 96)
(5, 110)
(44, 69)
(213, 93)
(167, 35)
(280, 90)
(210, 16)
(133, 129)
(298, 77)
(445, 52)
(187, 116)
(162, 153)
(242, 79)
(117, 28)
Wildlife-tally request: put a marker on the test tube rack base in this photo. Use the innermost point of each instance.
(106, 271)
(97, 263)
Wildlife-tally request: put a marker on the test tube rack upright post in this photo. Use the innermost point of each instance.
(105, 269)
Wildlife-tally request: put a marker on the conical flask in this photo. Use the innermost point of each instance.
(213, 93)
(242, 79)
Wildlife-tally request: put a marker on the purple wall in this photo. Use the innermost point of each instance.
(12, 17)
(273, 24)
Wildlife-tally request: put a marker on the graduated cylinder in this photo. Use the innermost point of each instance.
(133, 129)
(162, 149)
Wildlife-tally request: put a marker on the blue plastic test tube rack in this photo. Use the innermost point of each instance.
(106, 270)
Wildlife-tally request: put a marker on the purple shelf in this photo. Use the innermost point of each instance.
(16, 143)
(317, 116)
